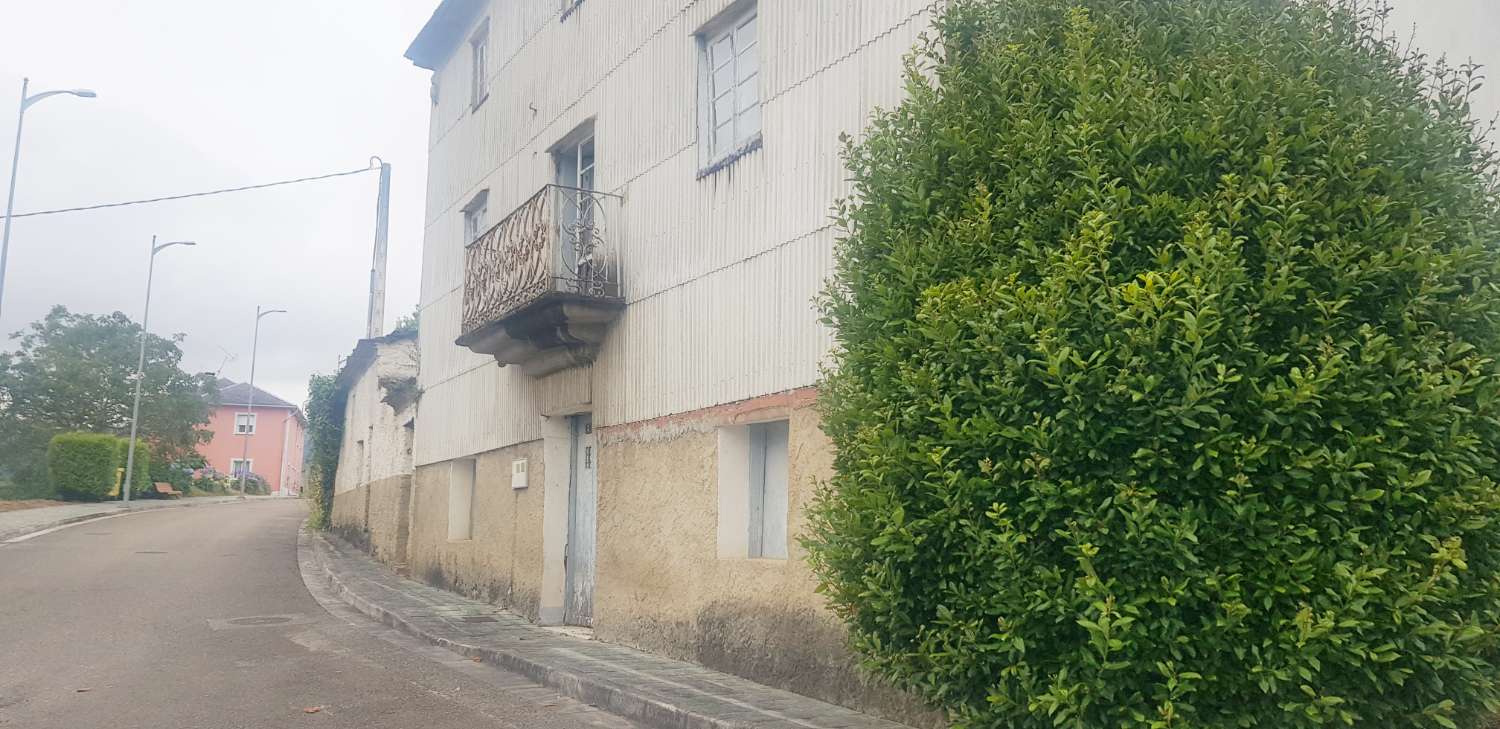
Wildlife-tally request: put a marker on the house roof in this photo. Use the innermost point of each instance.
(443, 32)
(238, 393)
(364, 354)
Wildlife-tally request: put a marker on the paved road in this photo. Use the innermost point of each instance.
(140, 621)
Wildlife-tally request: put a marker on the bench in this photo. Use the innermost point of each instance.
(165, 489)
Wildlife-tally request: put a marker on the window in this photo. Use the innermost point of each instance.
(241, 467)
(754, 505)
(768, 489)
(475, 215)
(244, 424)
(729, 108)
(461, 500)
(576, 157)
(479, 46)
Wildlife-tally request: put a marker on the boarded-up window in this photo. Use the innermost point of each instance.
(769, 471)
(461, 500)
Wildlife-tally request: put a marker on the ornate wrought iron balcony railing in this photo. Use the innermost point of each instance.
(540, 273)
(557, 242)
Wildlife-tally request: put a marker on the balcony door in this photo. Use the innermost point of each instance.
(576, 159)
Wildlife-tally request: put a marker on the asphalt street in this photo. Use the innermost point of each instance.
(198, 618)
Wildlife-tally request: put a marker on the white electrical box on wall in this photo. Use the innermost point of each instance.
(518, 474)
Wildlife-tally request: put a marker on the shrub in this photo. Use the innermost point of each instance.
(318, 509)
(209, 481)
(1165, 389)
(178, 473)
(25, 490)
(142, 471)
(83, 466)
(325, 434)
(255, 485)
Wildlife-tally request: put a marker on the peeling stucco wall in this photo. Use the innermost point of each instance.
(662, 586)
(376, 517)
(502, 562)
(662, 583)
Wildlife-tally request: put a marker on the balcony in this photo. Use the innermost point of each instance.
(543, 285)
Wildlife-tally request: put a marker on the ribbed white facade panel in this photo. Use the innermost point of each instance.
(471, 412)
(720, 273)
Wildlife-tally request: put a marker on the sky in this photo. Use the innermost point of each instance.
(196, 95)
(1462, 30)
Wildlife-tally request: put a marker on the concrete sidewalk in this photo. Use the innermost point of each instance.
(639, 686)
(15, 524)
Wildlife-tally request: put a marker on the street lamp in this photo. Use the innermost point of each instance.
(140, 367)
(250, 404)
(15, 162)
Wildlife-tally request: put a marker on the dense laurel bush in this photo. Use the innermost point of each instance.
(142, 470)
(83, 466)
(1165, 393)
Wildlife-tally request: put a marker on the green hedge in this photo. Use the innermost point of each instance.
(82, 466)
(1166, 392)
(142, 474)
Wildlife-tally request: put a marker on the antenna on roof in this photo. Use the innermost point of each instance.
(228, 357)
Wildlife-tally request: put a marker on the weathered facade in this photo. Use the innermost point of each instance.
(628, 220)
(372, 485)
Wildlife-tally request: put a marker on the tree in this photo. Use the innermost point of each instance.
(1166, 392)
(408, 323)
(74, 373)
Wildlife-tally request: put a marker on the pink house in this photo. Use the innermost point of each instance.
(275, 428)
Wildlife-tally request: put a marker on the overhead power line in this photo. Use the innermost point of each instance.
(186, 196)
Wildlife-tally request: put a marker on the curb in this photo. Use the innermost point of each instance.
(611, 698)
(36, 531)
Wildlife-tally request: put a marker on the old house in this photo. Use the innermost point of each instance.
(628, 220)
(377, 388)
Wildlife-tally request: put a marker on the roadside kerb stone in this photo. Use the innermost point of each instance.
(643, 687)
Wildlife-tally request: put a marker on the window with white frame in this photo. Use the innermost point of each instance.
(241, 466)
(479, 47)
(475, 215)
(244, 424)
(729, 60)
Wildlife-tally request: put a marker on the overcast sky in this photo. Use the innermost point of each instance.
(196, 95)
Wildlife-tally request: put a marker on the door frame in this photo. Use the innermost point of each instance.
(557, 459)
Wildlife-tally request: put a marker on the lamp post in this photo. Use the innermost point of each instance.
(15, 162)
(140, 367)
(250, 403)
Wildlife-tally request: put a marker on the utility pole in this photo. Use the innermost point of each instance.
(376, 322)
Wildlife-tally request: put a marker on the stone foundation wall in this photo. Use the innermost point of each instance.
(377, 518)
(502, 562)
